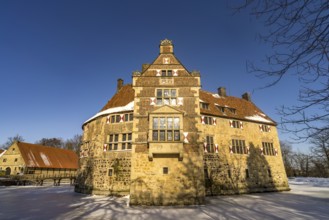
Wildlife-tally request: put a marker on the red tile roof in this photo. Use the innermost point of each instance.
(36, 155)
(123, 97)
(243, 108)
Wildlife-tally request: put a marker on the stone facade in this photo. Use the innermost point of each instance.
(164, 141)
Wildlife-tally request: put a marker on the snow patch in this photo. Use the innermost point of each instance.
(258, 118)
(312, 181)
(127, 198)
(217, 96)
(200, 100)
(45, 159)
(3, 153)
(32, 161)
(128, 107)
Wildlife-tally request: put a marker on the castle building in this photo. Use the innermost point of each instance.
(165, 141)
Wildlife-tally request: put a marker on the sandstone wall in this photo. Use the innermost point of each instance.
(104, 172)
(229, 173)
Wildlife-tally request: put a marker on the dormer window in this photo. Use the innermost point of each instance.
(204, 105)
(221, 108)
(232, 110)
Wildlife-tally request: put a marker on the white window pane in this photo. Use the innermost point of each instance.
(162, 122)
(173, 101)
(176, 123)
(169, 136)
(166, 93)
(170, 123)
(162, 135)
(155, 123)
(166, 101)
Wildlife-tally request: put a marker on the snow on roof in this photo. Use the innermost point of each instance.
(216, 95)
(2, 153)
(200, 100)
(258, 118)
(45, 159)
(128, 107)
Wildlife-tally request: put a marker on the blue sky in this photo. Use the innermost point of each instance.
(59, 60)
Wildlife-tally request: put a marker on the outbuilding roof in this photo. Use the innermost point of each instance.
(40, 156)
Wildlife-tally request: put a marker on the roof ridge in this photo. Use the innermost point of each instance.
(42, 146)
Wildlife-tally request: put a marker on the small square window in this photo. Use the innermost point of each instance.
(165, 170)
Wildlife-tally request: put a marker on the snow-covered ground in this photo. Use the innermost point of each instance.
(308, 199)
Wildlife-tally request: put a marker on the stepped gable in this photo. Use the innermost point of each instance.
(124, 96)
(36, 155)
(245, 110)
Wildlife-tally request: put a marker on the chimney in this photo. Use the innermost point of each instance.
(120, 84)
(246, 96)
(166, 46)
(222, 91)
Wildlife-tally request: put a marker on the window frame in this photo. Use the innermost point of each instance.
(128, 117)
(164, 130)
(126, 143)
(208, 120)
(113, 142)
(232, 110)
(268, 148)
(171, 98)
(265, 128)
(210, 144)
(239, 146)
(167, 73)
(236, 124)
(116, 118)
(220, 108)
(204, 105)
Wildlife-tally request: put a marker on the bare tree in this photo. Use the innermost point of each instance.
(288, 157)
(320, 151)
(74, 143)
(51, 142)
(302, 164)
(298, 32)
(11, 140)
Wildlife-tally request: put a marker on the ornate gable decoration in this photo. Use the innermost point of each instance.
(168, 110)
(166, 42)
